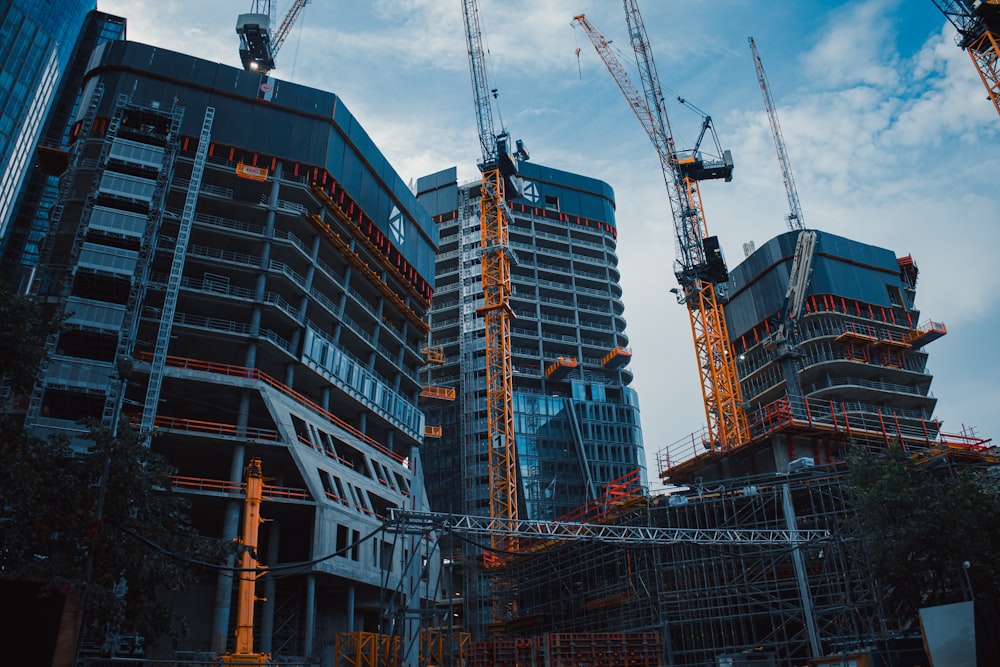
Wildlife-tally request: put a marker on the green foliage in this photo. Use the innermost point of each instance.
(23, 330)
(921, 523)
(48, 525)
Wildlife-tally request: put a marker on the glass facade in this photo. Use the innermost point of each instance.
(36, 42)
(576, 419)
(28, 219)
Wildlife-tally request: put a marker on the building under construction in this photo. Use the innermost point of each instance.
(848, 371)
(245, 294)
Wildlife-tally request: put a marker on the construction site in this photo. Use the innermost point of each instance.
(426, 390)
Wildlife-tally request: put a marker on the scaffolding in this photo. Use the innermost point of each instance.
(696, 601)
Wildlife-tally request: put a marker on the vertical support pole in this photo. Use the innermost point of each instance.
(798, 562)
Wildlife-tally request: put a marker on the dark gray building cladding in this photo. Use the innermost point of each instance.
(279, 120)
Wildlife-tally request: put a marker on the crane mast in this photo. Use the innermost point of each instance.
(498, 178)
(699, 265)
(978, 25)
(795, 219)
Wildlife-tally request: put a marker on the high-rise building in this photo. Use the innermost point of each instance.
(28, 221)
(243, 272)
(576, 418)
(36, 42)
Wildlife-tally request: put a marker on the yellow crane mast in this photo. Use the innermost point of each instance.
(700, 266)
(499, 178)
(243, 654)
(978, 25)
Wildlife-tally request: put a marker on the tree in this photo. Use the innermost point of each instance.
(49, 493)
(144, 542)
(23, 330)
(922, 523)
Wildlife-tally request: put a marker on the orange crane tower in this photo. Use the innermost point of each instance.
(499, 177)
(243, 654)
(795, 219)
(700, 265)
(978, 25)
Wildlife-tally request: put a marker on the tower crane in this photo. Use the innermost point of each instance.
(795, 219)
(499, 180)
(257, 47)
(978, 25)
(784, 340)
(700, 265)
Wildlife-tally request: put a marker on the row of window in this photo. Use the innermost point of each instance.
(357, 380)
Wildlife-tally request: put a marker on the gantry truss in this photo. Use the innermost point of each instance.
(539, 534)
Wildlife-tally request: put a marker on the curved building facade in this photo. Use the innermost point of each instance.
(576, 418)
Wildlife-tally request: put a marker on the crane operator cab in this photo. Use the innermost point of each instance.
(255, 42)
(697, 168)
(507, 162)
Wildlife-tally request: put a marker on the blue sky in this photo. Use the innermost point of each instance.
(889, 133)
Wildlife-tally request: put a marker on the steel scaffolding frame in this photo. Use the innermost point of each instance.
(717, 598)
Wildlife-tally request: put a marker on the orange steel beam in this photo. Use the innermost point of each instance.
(497, 315)
(985, 54)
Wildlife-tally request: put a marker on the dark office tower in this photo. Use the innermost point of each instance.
(576, 418)
(243, 272)
(36, 42)
(29, 219)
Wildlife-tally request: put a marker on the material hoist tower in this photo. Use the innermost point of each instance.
(700, 266)
(978, 25)
(499, 178)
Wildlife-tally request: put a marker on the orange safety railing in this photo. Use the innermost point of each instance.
(216, 428)
(862, 423)
(618, 355)
(236, 488)
(233, 370)
(432, 431)
(560, 366)
(433, 354)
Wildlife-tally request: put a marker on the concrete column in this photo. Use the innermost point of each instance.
(270, 585)
(230, 531)
(309, 629)
(350, 608)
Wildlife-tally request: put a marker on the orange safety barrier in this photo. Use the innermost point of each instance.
(216, 428)
(233, 370)
(236, 488)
